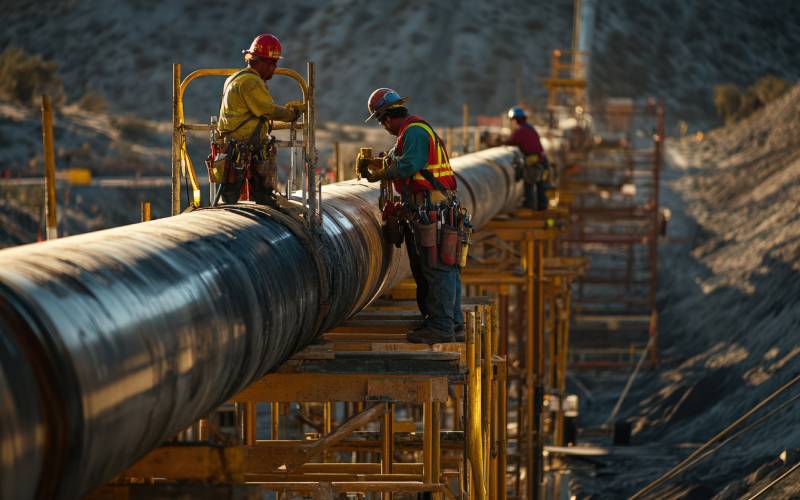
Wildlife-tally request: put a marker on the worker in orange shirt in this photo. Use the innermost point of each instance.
(245, 114)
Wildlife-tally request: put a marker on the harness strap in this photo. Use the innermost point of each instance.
(434, 182)
(246, 120)
(437, 143)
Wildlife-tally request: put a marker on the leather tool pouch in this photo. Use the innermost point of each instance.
(533, 173)
(427, 234)
(392, 231)
(217, 167)
(448, 250)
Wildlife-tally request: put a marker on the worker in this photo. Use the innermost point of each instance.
(419, 168)
(535, 171)
(245, 116)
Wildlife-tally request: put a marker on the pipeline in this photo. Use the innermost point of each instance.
(114, 341)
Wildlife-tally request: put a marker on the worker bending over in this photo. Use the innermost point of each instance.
(535, 171)
(419, 168)
(245, 124)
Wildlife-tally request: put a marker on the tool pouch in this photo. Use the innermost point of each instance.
(236, 169)
(465, 238)
(217, 167)
(427, 240)
(448, 250)
(267, 168)
(427, 234)
(533, 173)
(392, 232)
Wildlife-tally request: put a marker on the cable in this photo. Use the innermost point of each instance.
(742, 431)
(776, 481)
(681, 465)
(628, 385)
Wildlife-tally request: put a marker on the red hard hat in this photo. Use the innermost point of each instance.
(382, 99)
(265, 46)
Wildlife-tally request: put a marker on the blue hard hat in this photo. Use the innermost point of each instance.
(517, 112)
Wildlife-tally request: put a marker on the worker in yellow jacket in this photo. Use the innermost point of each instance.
(246, 109)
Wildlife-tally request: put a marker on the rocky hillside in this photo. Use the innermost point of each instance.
(681, 49)
(489, 54)
(440, 54)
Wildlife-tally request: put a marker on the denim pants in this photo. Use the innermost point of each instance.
(535, 196)
(438, 289)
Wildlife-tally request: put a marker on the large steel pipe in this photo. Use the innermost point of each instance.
(114, 341)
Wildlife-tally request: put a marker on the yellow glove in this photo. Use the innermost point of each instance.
(367, 166)
(298, 107)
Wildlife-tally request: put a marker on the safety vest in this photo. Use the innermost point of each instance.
(438, 162)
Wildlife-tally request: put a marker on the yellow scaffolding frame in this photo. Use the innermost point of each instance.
(182, 165)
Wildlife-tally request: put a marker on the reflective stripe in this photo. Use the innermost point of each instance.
(437, 164)
(441, 167)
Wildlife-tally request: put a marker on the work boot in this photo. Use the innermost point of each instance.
(428, 335)
(458, 333)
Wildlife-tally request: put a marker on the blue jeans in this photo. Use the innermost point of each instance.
(535, 200)
(438, 289)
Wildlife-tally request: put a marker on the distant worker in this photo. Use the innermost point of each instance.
(244, 122)
(535, 171)
(419, 168)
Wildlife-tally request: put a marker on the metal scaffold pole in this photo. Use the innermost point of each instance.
(49, 169)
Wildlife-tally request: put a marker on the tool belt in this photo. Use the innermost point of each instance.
(231, 160)
(440, 232)
(434, 197)
(439, 227)
(536, 169)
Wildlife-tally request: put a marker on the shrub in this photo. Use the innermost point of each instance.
(93, 101)
(133, 128)
(733, 105)
(748, 105)
(769, 87)
(24, 77)
(727, 100)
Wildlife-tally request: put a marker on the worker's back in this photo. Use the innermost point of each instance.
(245, 97)
(527, 139)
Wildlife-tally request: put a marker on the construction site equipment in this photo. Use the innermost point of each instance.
(129, 335)
(49, 169)
(145, 211)
(365, 162)
(365, 367)
(613, 193)
(566, 85)
(76, 176)
(183, 168)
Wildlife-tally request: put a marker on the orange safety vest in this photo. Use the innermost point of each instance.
(438, 161)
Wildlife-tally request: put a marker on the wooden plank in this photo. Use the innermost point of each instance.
(192, 462)
(315, 387)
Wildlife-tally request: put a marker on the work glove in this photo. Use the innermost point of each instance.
(363, 168)
(368, 166)
(297, 108)
(376, 175)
